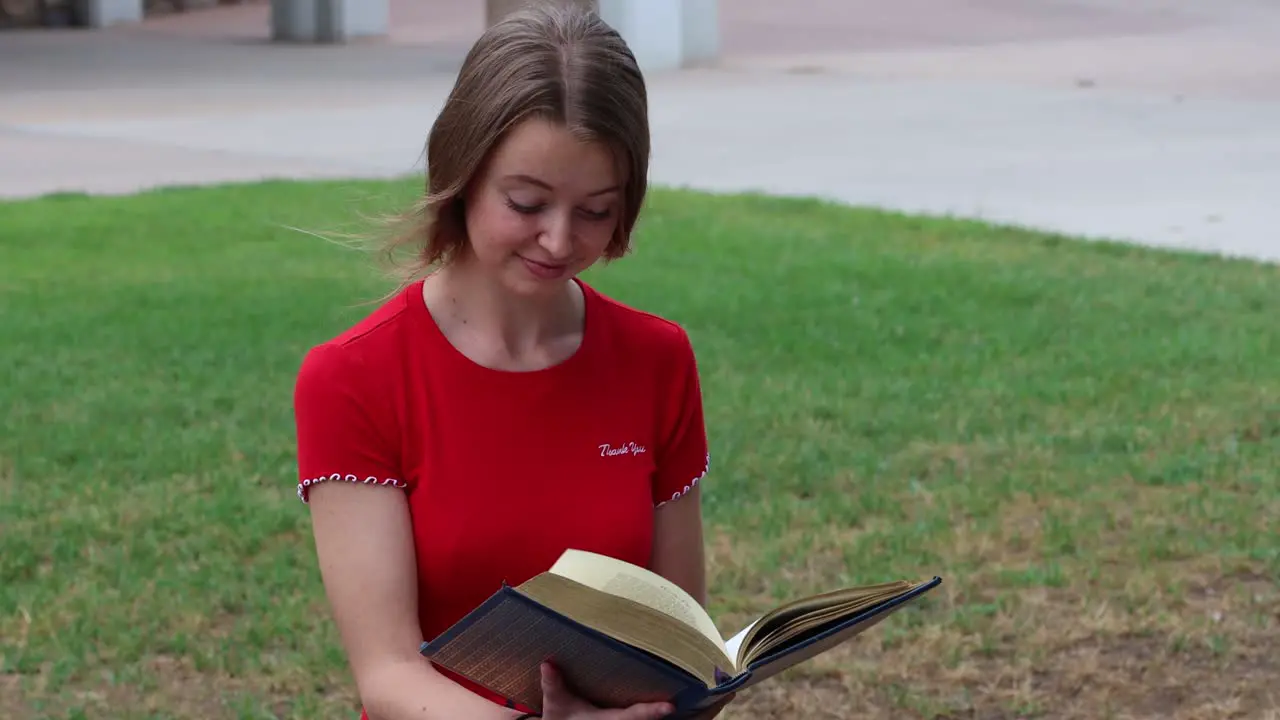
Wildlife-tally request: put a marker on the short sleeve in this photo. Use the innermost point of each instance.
(344, 430)
(684, 456)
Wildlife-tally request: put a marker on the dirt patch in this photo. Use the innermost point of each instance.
(1124, 675)
(1112, 634)
(794, 697)
(12, 702)
(167, 686)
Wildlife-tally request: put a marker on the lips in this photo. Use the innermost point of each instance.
(545, 271)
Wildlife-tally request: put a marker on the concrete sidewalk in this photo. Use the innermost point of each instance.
(1159, 125)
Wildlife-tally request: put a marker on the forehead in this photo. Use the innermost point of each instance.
(550, 153)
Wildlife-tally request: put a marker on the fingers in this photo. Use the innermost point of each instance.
(557, 701)
(554, 693)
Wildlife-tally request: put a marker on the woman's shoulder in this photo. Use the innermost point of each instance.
(369, 345)
(640, 331)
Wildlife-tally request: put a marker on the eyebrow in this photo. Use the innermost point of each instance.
(535, 181)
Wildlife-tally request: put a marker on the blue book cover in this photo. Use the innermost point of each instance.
(620, 635)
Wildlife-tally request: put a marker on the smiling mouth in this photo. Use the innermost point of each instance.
(548, 266)
(546, 271)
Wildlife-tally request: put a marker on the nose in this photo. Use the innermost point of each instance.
(557, 237)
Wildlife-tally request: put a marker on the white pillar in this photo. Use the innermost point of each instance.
(495, 10)
(666, 34)
(700, 22)
(104, 13)
(663, 34)
(328, 21)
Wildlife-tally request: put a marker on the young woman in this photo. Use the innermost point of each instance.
(498, 409)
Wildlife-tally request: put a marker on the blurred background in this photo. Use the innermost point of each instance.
(1150, 120)
(925, 373)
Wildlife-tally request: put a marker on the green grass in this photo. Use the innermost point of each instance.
(1082, 438)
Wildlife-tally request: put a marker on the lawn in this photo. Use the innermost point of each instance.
(1083, 439)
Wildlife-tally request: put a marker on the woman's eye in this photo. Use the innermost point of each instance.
(534, 209)
(526, 209)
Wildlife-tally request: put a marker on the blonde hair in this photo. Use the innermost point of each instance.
(556, 61)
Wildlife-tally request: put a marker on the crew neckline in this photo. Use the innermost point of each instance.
(591, 322)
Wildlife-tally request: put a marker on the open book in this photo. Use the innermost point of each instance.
(620, 634)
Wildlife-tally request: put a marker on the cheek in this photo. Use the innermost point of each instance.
(596, 236)
(493, 224)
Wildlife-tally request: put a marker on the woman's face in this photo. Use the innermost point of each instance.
(545, 208)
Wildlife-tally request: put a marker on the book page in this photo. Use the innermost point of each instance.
(779, 624)
(637, 584)
(787, 659)
(501, 644)
(806, 637)
(629, 622)
(734, 644)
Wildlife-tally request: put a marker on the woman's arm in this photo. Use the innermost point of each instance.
(678, 556)
(365, 547)
(678, 553)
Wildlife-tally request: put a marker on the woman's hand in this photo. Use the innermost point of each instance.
(560, 704)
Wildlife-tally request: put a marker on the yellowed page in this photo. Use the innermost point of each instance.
(639, 585)
(778, 622)
(629, 622)
(734, 644)
(765, 641)
(788, 661)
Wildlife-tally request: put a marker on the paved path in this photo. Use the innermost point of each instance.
(1159, 123)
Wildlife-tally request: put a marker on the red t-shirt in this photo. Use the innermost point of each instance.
(505, 470)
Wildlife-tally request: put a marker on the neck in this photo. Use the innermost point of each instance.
(496, 327)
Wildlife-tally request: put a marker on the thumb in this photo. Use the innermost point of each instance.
(554, 694)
